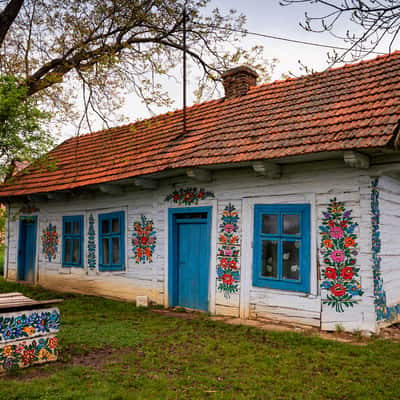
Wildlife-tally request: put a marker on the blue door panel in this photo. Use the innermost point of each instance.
(192, 266)
(27, 249)
(189, 259)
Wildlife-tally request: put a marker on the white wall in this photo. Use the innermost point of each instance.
(314, 183)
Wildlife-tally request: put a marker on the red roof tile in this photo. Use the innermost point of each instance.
(353, 107)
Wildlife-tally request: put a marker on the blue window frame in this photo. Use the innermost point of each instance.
(72, 241)
(282, 246)
(112, 241)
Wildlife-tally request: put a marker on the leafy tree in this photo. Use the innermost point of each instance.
(111, 47)
(375, 22)
(21, 135)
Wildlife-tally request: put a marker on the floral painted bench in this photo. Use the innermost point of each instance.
(28, 331)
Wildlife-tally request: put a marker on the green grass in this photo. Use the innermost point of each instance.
(158, 357)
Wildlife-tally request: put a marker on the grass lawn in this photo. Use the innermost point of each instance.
(111, 350)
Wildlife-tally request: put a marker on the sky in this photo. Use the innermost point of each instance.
(263, 16)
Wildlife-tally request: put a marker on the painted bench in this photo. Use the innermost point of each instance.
(28, 331)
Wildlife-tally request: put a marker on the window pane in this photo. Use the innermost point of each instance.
(269, 259)
(291, 269)
(106, 254)
(67, 250)
(67, 228)
(105, 226)
(115, 225)
(76, 227)
(269, 223)
(291, 224)
(115, 251)
(75, 251)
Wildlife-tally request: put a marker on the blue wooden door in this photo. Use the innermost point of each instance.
(191, 261)
(27, 249)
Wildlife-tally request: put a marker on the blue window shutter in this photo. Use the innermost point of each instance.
(278, 238)
(71, 237)
(106, 239)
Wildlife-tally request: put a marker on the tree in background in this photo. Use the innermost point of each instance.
(375, 22)
(114, 47)
(21, 135)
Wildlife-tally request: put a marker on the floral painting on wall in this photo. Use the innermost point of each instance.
(91, 246)
(189, 196)
(50, 242)
(339, 252)
(228, 253)
(144, 240)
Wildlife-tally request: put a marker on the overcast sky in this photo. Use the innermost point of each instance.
(267, 17)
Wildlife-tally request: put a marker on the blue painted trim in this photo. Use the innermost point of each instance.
(173, 243)
(121, 235)
(20, 244)
(382, 310)
(301, 285)
(72, 236)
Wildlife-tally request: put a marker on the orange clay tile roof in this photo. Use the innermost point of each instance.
(353, 107)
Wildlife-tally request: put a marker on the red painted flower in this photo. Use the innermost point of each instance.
(200, 195)
(338, 290)
(343, 224)
(224, 263)
(28, 356)
(233, 264)
(227, 279)
(330, 273)
(176, 197)
(331, 222)
(347, 273)
(53, 342)
(222, 238)
(349, 242)
(144, 240)
(327, 243)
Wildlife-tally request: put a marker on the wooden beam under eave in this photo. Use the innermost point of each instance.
(110, 189)
(356, 160)
(56, 196)
(146, 183)
(267, 169)
(199, 174)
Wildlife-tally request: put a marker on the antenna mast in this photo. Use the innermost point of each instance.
(184, 68)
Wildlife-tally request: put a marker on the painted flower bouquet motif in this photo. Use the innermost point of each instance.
(188, 196)
(339, 251)
(228, 252)
(144, 240)
(91, 247)
(50, 241)
(25, 353)
(26, 325)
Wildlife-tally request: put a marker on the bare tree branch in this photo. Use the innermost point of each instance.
(7, 17)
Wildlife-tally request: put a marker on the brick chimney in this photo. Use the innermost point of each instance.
(237, 81)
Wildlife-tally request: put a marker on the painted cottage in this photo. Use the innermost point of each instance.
(278, 201)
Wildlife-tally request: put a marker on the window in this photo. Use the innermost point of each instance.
(72, 241)
(282, 247)
(111, 237)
